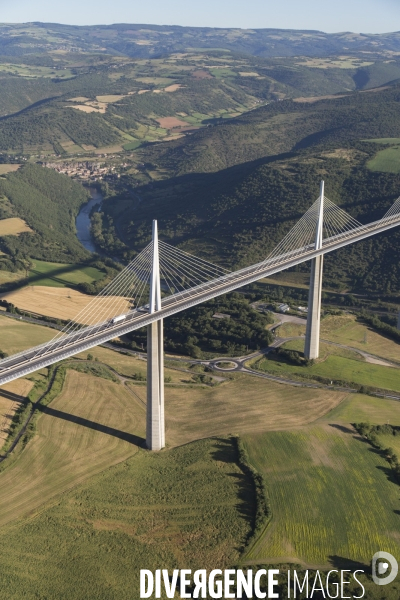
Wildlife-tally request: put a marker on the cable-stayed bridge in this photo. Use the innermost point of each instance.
(163, 280)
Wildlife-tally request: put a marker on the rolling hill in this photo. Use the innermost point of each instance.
(143, 40)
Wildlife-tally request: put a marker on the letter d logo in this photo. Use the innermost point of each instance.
(382, 567)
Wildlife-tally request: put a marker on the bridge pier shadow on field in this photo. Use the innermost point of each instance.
(13, 397)
(343, 563)
(122, 435)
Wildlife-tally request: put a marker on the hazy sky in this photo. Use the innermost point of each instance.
(368, 16)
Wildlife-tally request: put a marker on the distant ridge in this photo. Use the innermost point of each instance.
(146, 40)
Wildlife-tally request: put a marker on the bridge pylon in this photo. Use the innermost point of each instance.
(155, 422)
(311, 346)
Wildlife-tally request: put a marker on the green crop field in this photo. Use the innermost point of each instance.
(330, 497)
(17, 335)
(35, 71)
(62, 275)
(336, 364)
(221, 73)
(132, 145)
(188, 508)
(359, 407)
(384, 141)
(386, 161)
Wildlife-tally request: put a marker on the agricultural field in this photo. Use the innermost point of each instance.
(289, 436)
(13, 226)
(330, 497)
(187, 508)
(11, 395)
(92, 425)
(64, 303)
(311, 466)
(17, 335)
(50, 274)
(242, 405)
(387, 160)
(171, 122)
(340, 62)
(30, 71)
(8, 168)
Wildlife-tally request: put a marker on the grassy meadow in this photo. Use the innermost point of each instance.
(387, 160)
(330, 496)
(84, 482)
(187, 508)
(18, 335)
(335, 364)
(345, 329)
(61, 275)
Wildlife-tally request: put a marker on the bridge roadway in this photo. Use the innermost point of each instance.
(68, 345)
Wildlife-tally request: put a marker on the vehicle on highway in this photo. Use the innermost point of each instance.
(144, 308)
(118, 319)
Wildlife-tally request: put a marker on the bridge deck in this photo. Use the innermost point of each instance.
(38, 357)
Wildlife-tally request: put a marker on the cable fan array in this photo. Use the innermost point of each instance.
(183, 276)
(393, 211)
(336, 222)
(129, 291)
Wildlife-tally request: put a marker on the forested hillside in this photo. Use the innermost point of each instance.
(233, 191)
(49, 203)
(238, 215)
(283, 127)
(66, 106)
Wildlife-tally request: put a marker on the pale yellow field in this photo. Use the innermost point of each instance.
(92, 425)
(312, 99)
(8, 168)
(87, 109)
(173, 87)
(79, 99)
(64, 303)
(108, 150)
(110, 98)
(13, 226)
(245, 405)
(11, 394)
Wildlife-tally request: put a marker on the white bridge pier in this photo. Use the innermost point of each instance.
(155, 421)
(311, 345)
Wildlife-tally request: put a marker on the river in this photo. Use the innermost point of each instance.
(82, 221)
